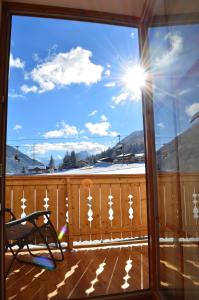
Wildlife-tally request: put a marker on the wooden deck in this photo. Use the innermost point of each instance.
(179, 267)
(84, 273)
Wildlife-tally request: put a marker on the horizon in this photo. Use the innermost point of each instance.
(58, 160)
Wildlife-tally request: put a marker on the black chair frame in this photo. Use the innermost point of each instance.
(25, 233)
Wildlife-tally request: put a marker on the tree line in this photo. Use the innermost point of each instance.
(72, 161)
(69, 161)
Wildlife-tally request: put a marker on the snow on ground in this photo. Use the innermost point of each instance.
(133, 168)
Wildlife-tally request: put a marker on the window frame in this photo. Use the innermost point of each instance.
(142, 23)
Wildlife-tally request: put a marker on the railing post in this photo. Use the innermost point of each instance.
(70, 235)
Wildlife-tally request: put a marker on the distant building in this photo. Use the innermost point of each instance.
(39, 169)
(51, 170)
(139, 157)
(105, 159)
(125, 158)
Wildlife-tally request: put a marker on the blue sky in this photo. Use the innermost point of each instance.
(175, 71)
(76, 85)
(66, 86)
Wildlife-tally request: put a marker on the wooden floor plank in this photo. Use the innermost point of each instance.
(104, 277)
(84, 273)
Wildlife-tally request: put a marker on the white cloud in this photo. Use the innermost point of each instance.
(132, 35)
(15, 95)
(63, 130)
(101, 129)
(110, 84)
(107, 73)
(103, 118)
(36, 57)
(17, 127)
(29, 89)
(16, 62)
(184, 92)
(51, 52)
(134, 95)
(121, 98)
(62, 69)
(161, 125)
(175, 47)
(91, 147)
(85, 137)
(93, 113)
(192, 109)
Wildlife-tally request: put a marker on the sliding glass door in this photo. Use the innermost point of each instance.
(174, 61)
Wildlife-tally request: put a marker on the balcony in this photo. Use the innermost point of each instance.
(106, 217)
(107, 233)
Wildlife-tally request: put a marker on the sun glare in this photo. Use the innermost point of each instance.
(134, 78)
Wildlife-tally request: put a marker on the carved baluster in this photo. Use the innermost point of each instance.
(110, 203)
(131, 212)
(46, 205)
(67, 215)
(90, 212)
(195, 203)
(23, 206)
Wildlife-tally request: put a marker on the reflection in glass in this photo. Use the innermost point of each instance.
(175, 70)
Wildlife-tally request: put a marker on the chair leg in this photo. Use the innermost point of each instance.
(49, 250)
(55, 238)
(13, 259)
(30, 252)
(57, 242)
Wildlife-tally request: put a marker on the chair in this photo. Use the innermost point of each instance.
(32, 230)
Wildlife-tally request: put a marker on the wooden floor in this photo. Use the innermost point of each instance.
(84, 273)
(179, 267)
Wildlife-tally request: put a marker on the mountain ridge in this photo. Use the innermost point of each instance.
(181, 153)
(134, 142)
(16, 161)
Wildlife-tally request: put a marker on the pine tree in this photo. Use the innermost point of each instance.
(60, 167)
(51, 164)
(23, 170)
(66, 161)
(73, 160)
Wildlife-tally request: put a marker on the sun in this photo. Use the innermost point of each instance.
(134, 79)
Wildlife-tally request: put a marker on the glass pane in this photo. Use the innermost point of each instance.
(75, 146)
(174, 59)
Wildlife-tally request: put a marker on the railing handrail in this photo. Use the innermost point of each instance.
(57, 176)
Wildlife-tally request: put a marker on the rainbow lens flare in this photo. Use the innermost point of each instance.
(44, 262)
(62, 232)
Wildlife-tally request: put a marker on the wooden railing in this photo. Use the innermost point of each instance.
(94, 207)
(100, 207)
(178, 204)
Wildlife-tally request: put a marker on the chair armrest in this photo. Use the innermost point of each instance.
(30, 218)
